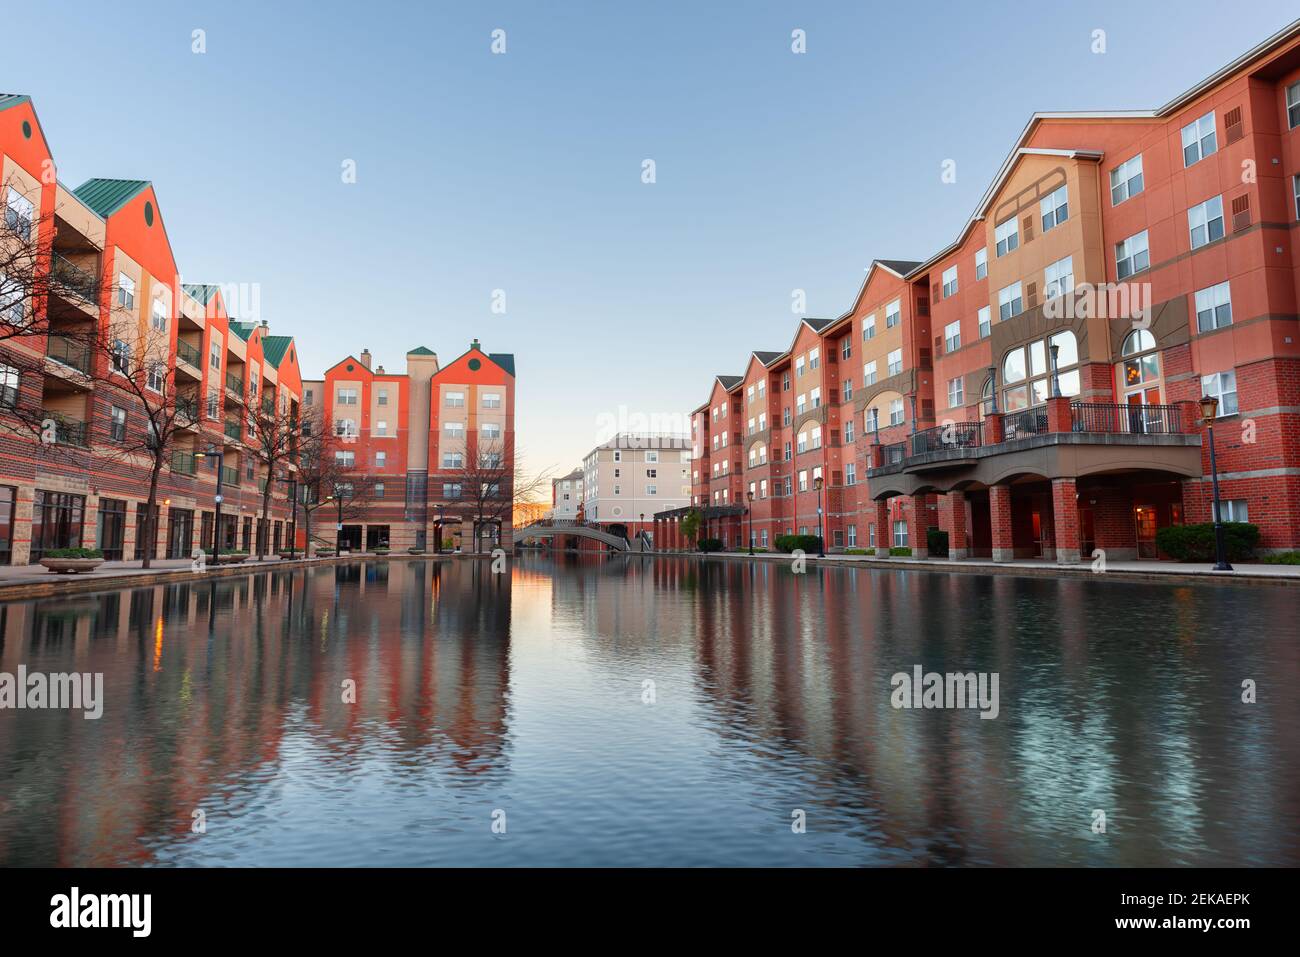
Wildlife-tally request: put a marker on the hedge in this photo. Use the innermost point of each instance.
(901, 550)
(1195, 543)
(805, 543)
(74, 553)
(710, 544)
(1282, 558)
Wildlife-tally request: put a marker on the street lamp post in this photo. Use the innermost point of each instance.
(750, 510)
(821, 525)
(1209, 408)
(1056, 375)
(220, 456)
(293, 515)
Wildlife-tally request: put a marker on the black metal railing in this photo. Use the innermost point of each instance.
(1029, 421)
(1126, 419)
(893, 454)
(184, 462)
(72, 282)
(188, 353)
(69, 352)
(66, 431)
(235, 384)
(229, 475)
(233, 431)
(952, 435)
(187, 410)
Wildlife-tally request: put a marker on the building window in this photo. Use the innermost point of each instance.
(8, 387)
(455, 400)
(1223, 386)
(1010, 301)
(158, 316)
(214, 354)
(453, 460)
(816, 397)
(454, 430)
(986, 396)
(1234, 510)
(1140, 370)
(381, 428)
(491, 430)
(846, 348)
(955, 396)
(803, 480)
(801, 405)
(1293, 105)
(949, 281)
(785, 416)
(345, 428)
(1126, 180)
(1295, 185)
(869, 323)
(981, 263)
(986, 321)
(1132, 255)
(852, 532)
(19, 213)
(799, 367)
(451, 490)
(894, 362)
(1205, 222)
(156, 376)
(1026, 371)
(895, 411)
(381, 460)
(121, 357)
(117, 424)
(1007, 235)
(381, 396)
(346, 459)
(814, 358)
(346, 397)
(652, 456)
(848, 431)
(900, 533)
(1058, 278)
(1055, 208)
(1213, 307)
(952, 336)
(125, 291)
(893, 313)
(785, 382)
(491, 400)
(868, 374)
(1199, 140)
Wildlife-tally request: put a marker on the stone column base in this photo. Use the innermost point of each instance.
(1004, 554)
(1067, 556)
(882, 551)
(957, 554)
(921, 552)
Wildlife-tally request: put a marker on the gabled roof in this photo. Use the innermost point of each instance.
(13, 99)
(729, 382)
(107, 196)
(242, 329)
(421, 351)
(767, 358)
(816, 325)
(899, 267)
(505, 360)
(203, 293)
(274, 348)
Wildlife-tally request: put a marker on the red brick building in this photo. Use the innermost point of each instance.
(1032, 388)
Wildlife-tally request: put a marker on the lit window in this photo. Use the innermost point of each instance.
(1199, 140)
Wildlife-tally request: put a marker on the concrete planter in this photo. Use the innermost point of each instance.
(71, 566)
(231, 559)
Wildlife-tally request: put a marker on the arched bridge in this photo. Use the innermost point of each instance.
(594, 532)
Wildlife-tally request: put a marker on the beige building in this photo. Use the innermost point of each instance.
(626, 480)
(566, 497)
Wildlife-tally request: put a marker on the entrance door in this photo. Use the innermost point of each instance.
(1087, 531)
(1144, 517)
(349, 539)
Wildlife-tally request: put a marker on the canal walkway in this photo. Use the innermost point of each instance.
(1163, 571)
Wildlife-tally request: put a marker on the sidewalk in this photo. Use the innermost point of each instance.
(1244, 572)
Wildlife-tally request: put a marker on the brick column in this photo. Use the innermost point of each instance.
(1000, 519)
(884, 534)
(1059, 416)
(993, 428)
(952, 519)
(918, 522)
(1065, 514)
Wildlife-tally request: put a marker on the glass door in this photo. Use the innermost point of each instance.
(1144, 517)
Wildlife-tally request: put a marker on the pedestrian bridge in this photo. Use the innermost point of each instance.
(595, 533)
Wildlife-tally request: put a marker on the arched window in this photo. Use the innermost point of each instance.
(986, 396)
(1139, 369)
(1027, 371)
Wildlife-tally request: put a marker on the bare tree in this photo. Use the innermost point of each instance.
(491, 483)
(273, 436)
(325, 480)
(132, 364)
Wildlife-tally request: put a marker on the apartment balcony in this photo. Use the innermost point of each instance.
(187, 413)
(235, 387)
(229, 475)
(189, 360)
(74, 288)
(67, 430)
(70, 353)
(1059, 439)
(234, 434)
(184, 462)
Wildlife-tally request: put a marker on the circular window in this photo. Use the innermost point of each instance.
(351, 367)
(27, 130)
(148, 214)
(475, 365)
(618, 509)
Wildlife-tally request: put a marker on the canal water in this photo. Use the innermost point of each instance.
(628, 711)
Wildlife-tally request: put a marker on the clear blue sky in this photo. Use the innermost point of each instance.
(522, 171)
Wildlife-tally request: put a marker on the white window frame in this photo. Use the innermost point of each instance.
(1203, 216)
(893, 313)
(956, 393)
(985, 318)
(1006, 235)
(981, 264)
(1122, 180)
(869, 373)
(1217, 384)
(1215, 300)
(1195, 137)
(1011, 301)
(1058, 278)
(1054, 208)
(1136, 251)
(950, 281)
(869, 327)
(894, 362)
(952, 336)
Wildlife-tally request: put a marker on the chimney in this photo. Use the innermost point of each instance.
(475, 346)
(380, 370)
(365, 358)
(266, 327)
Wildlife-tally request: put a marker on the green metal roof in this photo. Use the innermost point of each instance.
(274, 348)
(242, 329)
(505, 360)
(12, 99)
(203, 293)
(107, 196)
(421, 351)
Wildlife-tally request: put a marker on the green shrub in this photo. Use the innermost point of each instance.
(74, 553)
(807, 543)
(710, 544)
(859, 551)
(1282, 558)
(1195, 543)
(901, 550)
(936, 540)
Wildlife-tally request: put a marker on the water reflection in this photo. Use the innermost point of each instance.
(632, 711)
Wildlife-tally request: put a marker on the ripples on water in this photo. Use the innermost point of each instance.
(524, 693)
